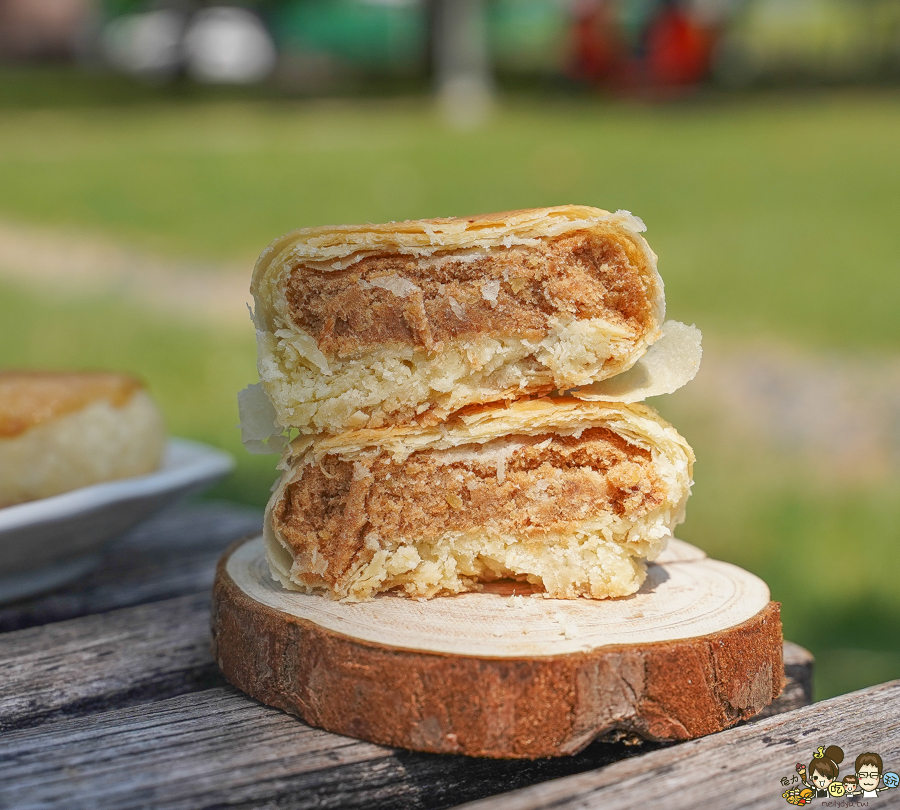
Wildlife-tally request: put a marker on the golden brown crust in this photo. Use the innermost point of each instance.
(28, 398)
(427, 236)
(495, 707)
(550, 483)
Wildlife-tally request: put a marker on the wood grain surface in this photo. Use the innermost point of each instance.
(172, 554)
(657, 687)
(686, 594)
(126, 709)
(740, 768)
(111, 659)
(216, 748)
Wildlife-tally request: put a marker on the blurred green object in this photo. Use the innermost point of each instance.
(388, 37)
(811, 41)
(116, 8)
(529, 36)
(774, 218)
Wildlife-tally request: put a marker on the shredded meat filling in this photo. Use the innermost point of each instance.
(530, 487)
(510, 291)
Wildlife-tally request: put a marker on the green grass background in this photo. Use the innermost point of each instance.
(775, 217)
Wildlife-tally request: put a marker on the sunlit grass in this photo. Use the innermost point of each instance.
(775, 217)
(762, 213)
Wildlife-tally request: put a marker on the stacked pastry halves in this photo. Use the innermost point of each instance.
(462, 396)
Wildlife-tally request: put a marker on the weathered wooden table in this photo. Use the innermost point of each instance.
(109, 698)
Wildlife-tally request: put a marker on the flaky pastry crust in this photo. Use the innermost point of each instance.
(403, 323)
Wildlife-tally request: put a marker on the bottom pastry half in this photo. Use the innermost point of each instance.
(570, 497)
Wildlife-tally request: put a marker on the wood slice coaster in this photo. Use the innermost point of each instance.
(493, 674)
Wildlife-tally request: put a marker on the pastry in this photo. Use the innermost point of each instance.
(64, 430)
(568, 496)
(367, 326)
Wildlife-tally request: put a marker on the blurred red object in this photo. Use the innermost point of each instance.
(600, 54)
(671, 48)
(678, 49)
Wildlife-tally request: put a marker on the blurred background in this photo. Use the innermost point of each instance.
(150, 150)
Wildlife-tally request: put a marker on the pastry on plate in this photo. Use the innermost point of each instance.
(366, 326)
(64, 430)
(571, 497)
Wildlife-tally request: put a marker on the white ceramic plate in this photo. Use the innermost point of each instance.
(48, 542)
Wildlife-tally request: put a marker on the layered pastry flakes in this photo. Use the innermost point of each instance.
(571, 497)
(371, 325)
(60, 431)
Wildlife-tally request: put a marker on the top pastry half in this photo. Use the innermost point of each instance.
(403, 323)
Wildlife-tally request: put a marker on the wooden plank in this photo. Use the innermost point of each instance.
(135, 655)
(61, 678)
(172, 554)
(204, 745)
(123, 657)
(740, 768)
(217, 747)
